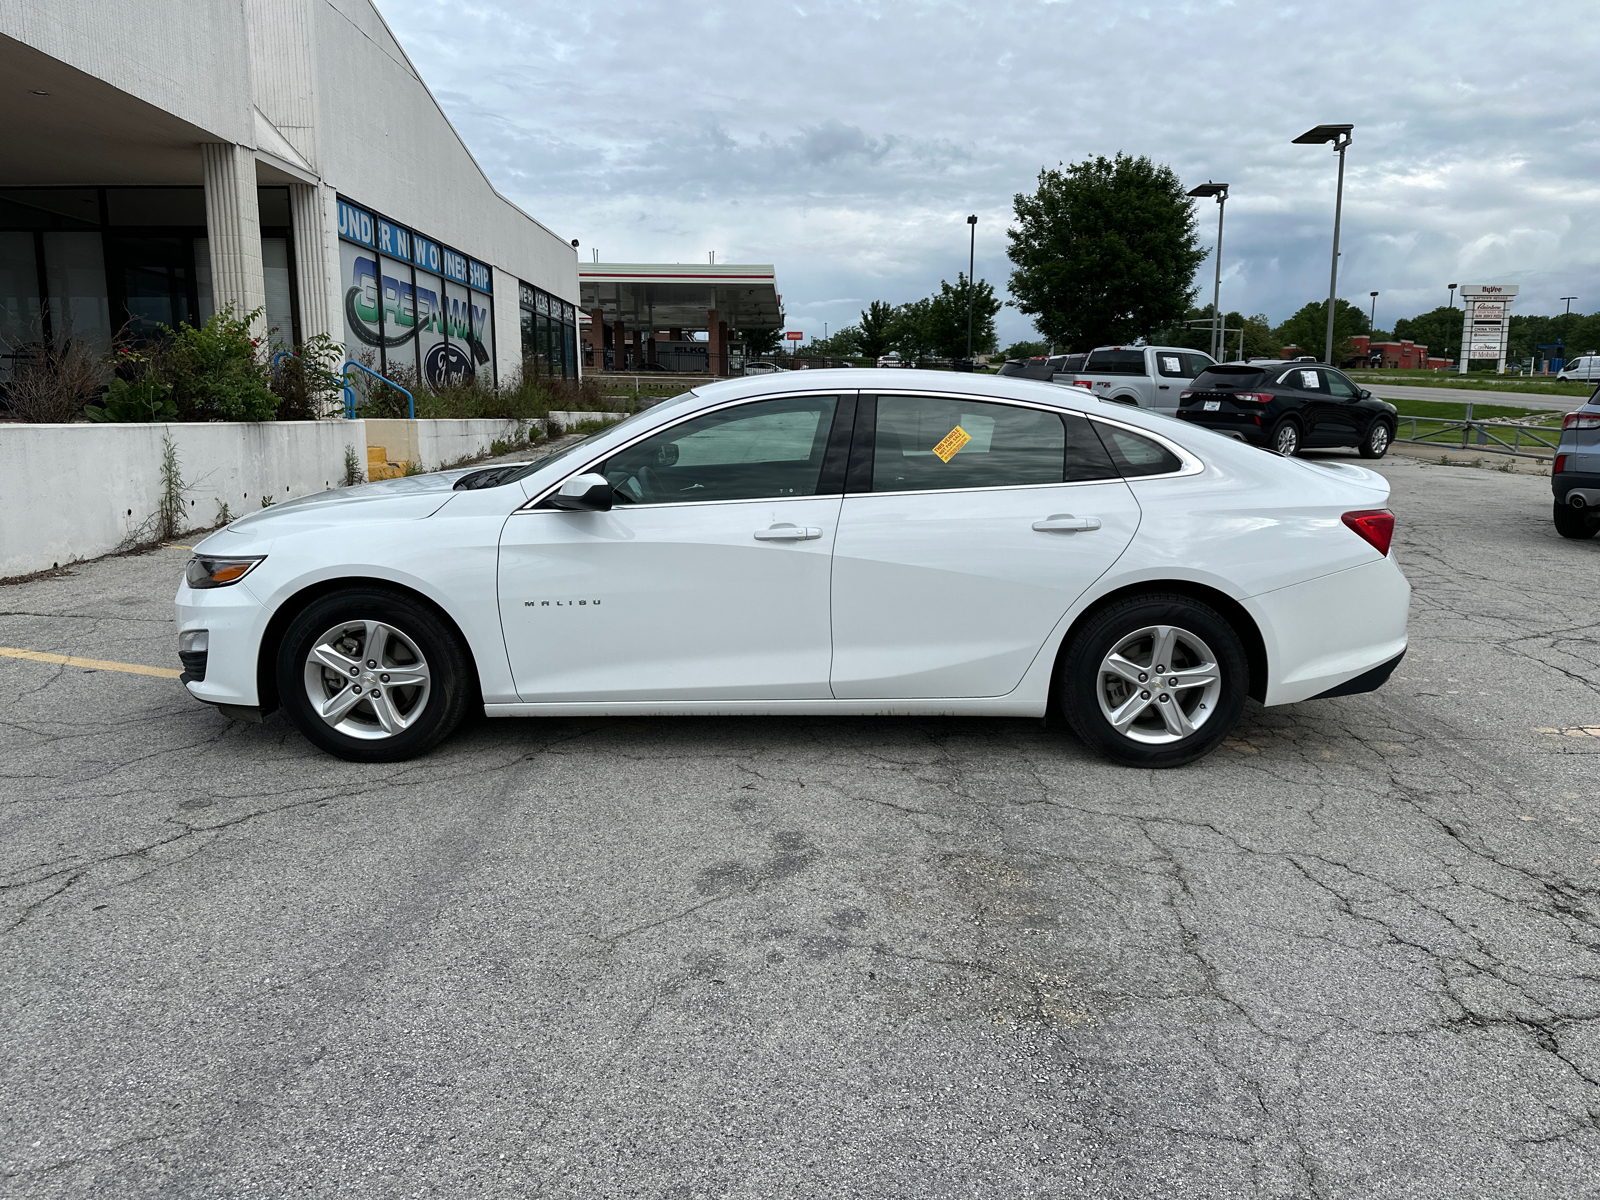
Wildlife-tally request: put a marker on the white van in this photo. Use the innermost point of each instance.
(1586, 368)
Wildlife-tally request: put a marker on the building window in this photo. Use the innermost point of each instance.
(549, 334)
(413, 308)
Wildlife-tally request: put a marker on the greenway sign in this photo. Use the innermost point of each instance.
(1485, 322)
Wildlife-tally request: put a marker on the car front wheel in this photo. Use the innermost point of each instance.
(1155, 680)
(372, 675)
(1286, 438)
(1376, 443)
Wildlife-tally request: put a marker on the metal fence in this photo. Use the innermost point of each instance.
(1490, 437)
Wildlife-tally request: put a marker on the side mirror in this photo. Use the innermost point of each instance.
(584, 493)
(1364, 394)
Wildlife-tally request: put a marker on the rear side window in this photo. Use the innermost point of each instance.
(1115, 362)
(1228, 379)
(928, 443)
(1135, 454)
(1306, 379)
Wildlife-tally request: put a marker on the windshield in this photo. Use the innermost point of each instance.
(1230, 379)
(577, 447)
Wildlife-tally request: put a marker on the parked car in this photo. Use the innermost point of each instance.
(960, 545)
(1575, 475)
(1045, 367)
(1147, 376)
(760, 368)
(1585, 369)
(893, 359)
(1289, 407)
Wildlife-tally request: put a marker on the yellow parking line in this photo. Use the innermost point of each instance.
(91, 664)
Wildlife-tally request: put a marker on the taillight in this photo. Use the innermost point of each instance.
(1184, 395)
(1561, 464)
(1083, 383)
(1581, 421)
(1254, 397)
(1375, 525)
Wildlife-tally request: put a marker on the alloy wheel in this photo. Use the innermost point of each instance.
(1378, 439)
(1159, 684)
(367, 679)
(1287, 440)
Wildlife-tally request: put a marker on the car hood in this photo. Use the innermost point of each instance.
(409, 499)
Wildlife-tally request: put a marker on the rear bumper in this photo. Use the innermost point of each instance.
(1327, 632)
(1565, 483)
(1236, 425)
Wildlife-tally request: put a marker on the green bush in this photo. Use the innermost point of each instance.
(216, 372)
(143, 400)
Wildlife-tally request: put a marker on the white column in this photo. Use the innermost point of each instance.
(233, 227)
(310, 259)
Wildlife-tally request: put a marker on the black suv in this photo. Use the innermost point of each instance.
(1043, 367)
(1289, 407)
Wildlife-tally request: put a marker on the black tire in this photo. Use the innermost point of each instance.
(1377, 441)
(424, 645)
(1081, 687)
(1574, 522)
(1285, 437)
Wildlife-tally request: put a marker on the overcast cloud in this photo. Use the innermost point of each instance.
(847, 142)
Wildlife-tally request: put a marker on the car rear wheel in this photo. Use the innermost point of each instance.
(1574, 522)
(1155, 681)
(1286, 438)
(1376, 443)
(372, 675)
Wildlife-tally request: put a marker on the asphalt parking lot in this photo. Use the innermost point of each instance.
(1356, 952)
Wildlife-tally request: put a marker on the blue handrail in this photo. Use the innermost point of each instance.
(350, 391)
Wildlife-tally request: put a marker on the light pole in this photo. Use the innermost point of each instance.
(1452, 288)
(1372, 321)
(1569, 300)
(1339, 135)
(1220, 191)
(972, 290)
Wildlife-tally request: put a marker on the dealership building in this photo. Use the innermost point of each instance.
(166, 159)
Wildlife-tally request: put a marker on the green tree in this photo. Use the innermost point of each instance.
(947, 318)
(1105, 251)
(1025, 350)
(1308, 329)
(841, 343)
(759, 341)
(911, 330)
(877, 319)
(1439, 331)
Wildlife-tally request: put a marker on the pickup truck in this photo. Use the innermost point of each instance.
(1144, 376)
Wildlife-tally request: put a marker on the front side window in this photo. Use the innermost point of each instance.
(1198, 364)
(1339, 386)
(765, 450)
(928, 443)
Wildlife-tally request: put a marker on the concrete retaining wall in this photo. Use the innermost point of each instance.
(78, 491)
(567, 420)
(433, 444)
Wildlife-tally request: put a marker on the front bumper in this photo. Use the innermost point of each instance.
(236, 621)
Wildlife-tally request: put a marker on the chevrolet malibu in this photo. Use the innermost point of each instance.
(962, 545)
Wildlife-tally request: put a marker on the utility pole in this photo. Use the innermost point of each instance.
(972, 288)
(1220, 191)
(1339, 135)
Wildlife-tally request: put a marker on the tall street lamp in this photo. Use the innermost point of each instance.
(1372, 321)
(1339, 135)
(1569, 300)
(1452, 288)
(972, 290)
(1220, 191)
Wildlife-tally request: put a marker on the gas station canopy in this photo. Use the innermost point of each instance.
(681, 296)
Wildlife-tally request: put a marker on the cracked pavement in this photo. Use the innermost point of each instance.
(1355, 953)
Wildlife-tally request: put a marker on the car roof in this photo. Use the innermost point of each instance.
(874, 382)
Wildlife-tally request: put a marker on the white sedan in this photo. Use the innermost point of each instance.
(959, 545)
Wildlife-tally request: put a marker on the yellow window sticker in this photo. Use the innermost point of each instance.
(953, 441)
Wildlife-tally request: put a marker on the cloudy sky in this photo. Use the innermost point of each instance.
(847, 142)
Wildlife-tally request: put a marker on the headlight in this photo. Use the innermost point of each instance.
(208, 572)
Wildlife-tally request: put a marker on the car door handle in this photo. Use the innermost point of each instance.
(1163, 386)
(1067, 523)
(788, 533)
